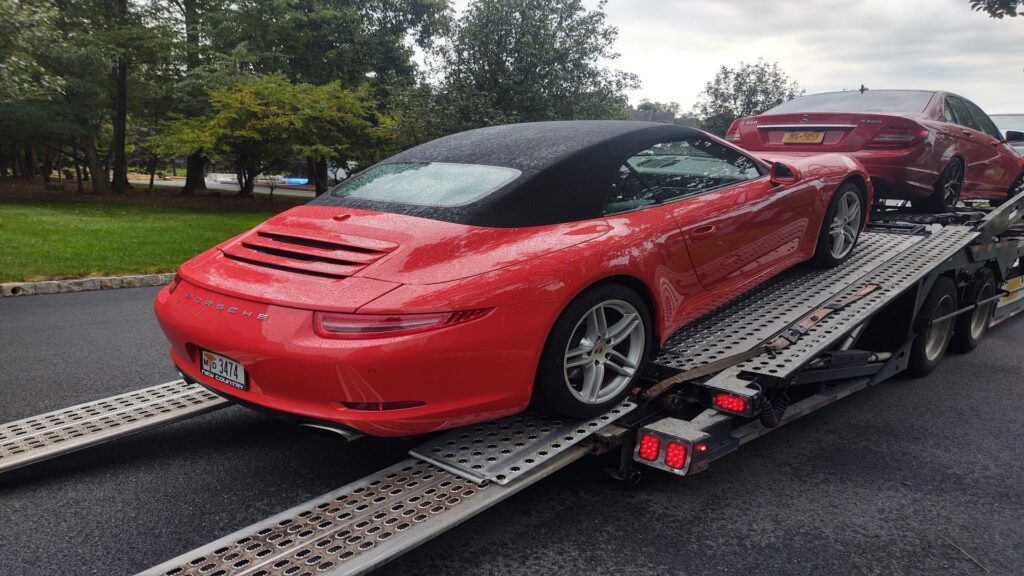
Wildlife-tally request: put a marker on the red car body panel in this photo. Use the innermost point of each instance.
(255, 308)
(907, 172)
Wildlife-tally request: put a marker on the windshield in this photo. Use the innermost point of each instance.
(899, 101)
(431, 184)
(1009, 122)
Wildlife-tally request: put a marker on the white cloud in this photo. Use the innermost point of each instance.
(678, 45)
(675, 46)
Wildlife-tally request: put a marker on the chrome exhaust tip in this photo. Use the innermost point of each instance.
(330, 432)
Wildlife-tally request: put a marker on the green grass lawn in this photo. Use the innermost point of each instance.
(45, 240)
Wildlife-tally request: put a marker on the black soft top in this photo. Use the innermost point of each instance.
(567, 169)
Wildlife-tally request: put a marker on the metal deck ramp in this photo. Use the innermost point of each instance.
(59, 432)
(360, 526)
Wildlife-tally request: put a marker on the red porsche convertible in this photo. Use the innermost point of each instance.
(930, 147)
(464, 278)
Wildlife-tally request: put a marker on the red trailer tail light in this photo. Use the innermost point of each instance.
(355, 326)
(675, 455)
(174, 283)
(731, 403)
(895, 138)
(650, 447)
(733, 134)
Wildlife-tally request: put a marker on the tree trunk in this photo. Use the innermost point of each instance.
(152, 172)
(195, 178)
(78, 172)
(317, 169)
(100, 184)
(47, 167)
(28, 168)
(120, 106)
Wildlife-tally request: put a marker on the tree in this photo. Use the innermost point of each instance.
(529, 60)
(658, 107)
(747, 90)
(263, 122)
(999, 8)
(25, 30)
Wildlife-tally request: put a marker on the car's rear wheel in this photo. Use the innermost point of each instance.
(841, 227)
(595, 352)
(947, 189)
(1017, 187)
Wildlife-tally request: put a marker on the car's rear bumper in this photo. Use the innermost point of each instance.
(457, 375)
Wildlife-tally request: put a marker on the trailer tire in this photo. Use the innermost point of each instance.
(932, 341)
(565, 374)
(971, 327)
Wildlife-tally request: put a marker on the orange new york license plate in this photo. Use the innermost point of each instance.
(803, 137)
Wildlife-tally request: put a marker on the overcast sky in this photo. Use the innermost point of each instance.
(676, 46)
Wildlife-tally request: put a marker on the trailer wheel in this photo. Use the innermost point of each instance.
(595, 352)
(932, 341)
(971, 328)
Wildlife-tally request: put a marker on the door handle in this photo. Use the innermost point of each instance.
(967, 133)
(704, 232)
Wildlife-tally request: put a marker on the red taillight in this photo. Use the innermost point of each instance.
(731, 403)
(895, 138)
(675, 455)
(337, 325)
(174, 284)
(650, 446)
(733, 134)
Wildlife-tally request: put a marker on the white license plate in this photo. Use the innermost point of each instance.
(223, 369)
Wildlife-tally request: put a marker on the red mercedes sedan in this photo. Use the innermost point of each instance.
(933, 148)
(465, 278)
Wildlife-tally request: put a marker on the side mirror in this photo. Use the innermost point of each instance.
(1014, 136)
(783, 174)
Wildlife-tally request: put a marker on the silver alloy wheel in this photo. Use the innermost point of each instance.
(938, 333)
(845, 225)
(982, 314)
(951, 184)
(604, 351)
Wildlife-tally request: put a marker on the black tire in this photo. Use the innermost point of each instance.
(971, 327)
(947, 190)
(1017, 187)
(823, 253)
(554, 388)
(931, 342)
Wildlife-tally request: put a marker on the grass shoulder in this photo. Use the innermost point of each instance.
(74, 235)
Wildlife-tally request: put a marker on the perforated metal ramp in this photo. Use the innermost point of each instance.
(503, 450)
(896, 276)
(893, 278)
(355, 528)
(62, 431)
(766, 310)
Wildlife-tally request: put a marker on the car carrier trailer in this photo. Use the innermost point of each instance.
(791, 346)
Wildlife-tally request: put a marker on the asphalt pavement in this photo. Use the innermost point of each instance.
(910, 477)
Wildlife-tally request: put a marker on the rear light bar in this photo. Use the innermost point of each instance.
(732, 403)
(896, 138)
(363, 326)
(673, 445)
(650, 447)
